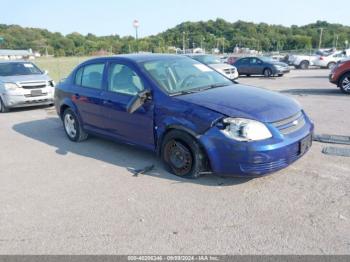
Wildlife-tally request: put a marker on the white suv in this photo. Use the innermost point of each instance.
(24, 84)
(331, 60)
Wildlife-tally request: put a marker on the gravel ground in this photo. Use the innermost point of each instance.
(58, 197)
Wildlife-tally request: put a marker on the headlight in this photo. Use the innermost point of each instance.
(10, 86)
(242, 129)
(278, 67)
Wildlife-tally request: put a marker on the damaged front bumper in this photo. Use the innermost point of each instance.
(229, 157)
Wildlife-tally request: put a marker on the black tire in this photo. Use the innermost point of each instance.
(304, 65)
(344, 83)
(79, 134)
(331, 65)
(280, 75)
(182, 155)
(267, 72)
(3, 108)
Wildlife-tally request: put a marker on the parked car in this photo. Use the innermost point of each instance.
(340, 75)
(329, 61)
(24, 84)
(305, 61)
(261, 66)
(225, 69)
(198, 121)
(302, 61)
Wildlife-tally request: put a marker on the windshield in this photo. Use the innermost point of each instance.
(182, 75)
(19, 68)
(207, 59)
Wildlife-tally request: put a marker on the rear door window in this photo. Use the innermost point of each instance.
(90, 76)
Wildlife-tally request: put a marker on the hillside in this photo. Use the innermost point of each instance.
(209, 34)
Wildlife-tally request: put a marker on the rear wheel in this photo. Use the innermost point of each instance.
(182, 155)
(304, 65)
(3, 108)
(331, 65)
(73, 127)
(344, 84)
(267, 72)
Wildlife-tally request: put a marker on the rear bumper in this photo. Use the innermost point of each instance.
(228, 157)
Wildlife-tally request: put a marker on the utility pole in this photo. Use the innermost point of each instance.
(183, 43)
(223, 45)
(321, 35)
(136, 25)
(336, 41)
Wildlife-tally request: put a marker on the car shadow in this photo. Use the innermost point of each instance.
(314, 91)
(50, 131)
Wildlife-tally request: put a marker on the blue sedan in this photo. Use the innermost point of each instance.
(265, 66)
(194, 118)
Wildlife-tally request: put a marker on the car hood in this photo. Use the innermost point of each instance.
(24, 78)
(246, 102)
(220, 66)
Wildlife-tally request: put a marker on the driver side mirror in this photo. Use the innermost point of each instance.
(138, 100)
(46, 72)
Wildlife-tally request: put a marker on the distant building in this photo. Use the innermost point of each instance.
(8, 54)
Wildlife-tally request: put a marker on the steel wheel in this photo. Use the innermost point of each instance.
(70, 125)
(179, 156)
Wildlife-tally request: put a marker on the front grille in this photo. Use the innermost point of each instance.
(290, 124)
(269, 166)
(33, 85)
(229, 71)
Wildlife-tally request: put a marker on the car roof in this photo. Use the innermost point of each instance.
(138, 58)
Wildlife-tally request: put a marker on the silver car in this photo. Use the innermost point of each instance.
(23, 84)
(227, 70)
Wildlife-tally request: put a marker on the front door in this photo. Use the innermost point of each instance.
(123, 83)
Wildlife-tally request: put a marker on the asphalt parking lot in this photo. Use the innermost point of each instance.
(58, 197)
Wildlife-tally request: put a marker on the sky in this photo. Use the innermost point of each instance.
(106, 17)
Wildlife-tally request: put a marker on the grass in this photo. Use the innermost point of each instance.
(60, 67)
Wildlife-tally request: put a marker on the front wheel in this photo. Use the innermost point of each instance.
(182, 155)
(3, 108)
(267, 72)
(73, 127)
(344, 84)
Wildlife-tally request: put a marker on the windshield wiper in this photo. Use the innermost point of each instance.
(196, 90)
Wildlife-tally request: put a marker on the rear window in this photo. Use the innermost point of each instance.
(19, 68)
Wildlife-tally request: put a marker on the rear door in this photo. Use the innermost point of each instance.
(87, 91)
(123, 83)
(242, 66)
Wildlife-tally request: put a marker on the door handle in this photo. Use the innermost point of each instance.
(77, 96)
(107, 102)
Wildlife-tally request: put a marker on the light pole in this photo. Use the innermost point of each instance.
(183, 42)
(321, 34)
(136, 25)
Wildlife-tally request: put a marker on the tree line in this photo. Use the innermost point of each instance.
(210, 34)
